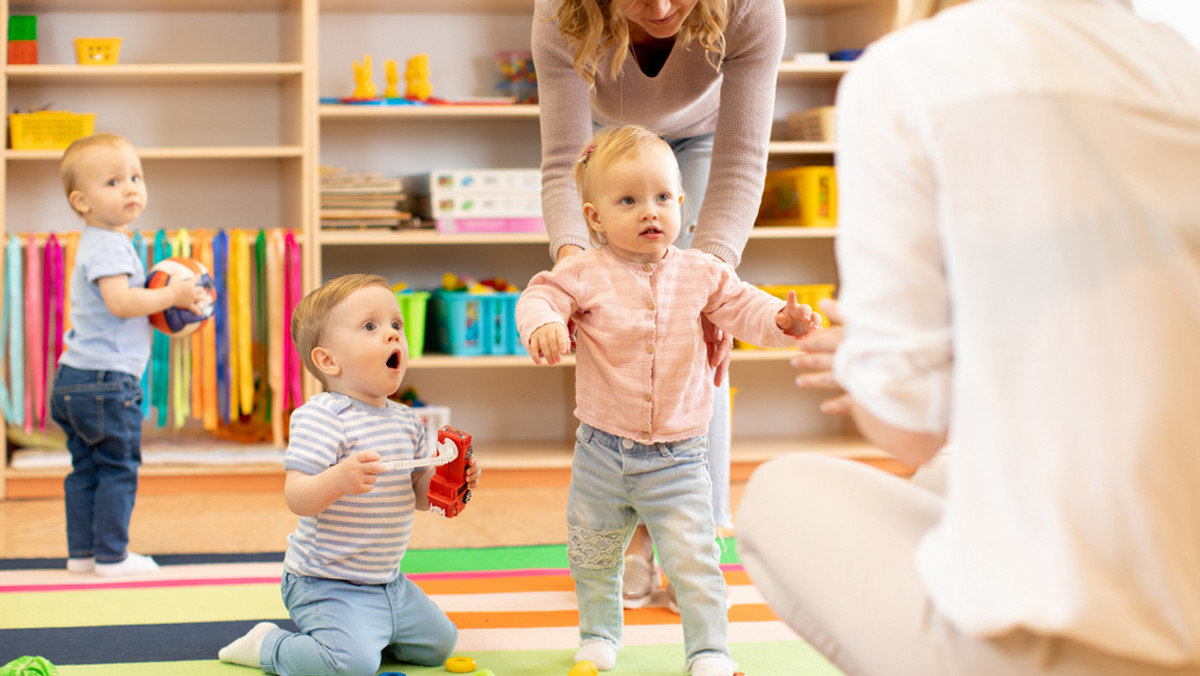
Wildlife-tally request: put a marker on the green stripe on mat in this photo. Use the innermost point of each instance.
(776, 658)
(507, 558)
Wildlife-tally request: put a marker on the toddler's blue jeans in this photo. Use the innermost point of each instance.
(101, 413)
(613, 481)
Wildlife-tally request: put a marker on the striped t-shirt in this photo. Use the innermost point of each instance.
(359, 538)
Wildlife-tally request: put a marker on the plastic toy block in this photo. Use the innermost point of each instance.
(22, 52)
(22, 27)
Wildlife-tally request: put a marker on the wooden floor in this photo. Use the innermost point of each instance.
(210, 522)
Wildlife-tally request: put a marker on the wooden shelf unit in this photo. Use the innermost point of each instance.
(253, 74)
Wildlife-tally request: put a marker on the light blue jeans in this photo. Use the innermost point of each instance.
(694, 155)
(613, 481)
(347, 628)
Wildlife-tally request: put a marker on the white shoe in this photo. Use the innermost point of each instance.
(134, 564)
(81, 566)
(599, 652)
(713, 665)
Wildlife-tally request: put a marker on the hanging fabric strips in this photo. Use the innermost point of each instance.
(12, 330)
(181, 358)
(293, 292)
(278, 341)
(53, 285)
(221, 318)
(160, 351)
(35, 374)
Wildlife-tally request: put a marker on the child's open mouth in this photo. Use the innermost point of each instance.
(393, 361)
(651, 232)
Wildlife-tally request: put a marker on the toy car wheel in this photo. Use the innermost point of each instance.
(466, 497)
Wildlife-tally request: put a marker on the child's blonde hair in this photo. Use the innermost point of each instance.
(593, 27)
(312, 314)
(607, 147)
(75, 153)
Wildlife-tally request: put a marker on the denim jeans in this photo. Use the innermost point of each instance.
(101, 413)
(613, 481)
(348, 627)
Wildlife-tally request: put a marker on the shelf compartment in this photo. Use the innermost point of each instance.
(428, 237)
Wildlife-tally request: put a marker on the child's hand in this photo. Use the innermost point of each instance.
(357, 473)
(187, 295)
(549, 342)
(473, 472)
(796, 319)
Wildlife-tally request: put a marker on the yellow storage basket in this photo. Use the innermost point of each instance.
(49, 129)
(97, 51)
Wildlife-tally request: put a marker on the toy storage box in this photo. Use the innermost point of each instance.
(474, 324)
(803, 196)
(815, 124)
(413, 306)
(48, 129)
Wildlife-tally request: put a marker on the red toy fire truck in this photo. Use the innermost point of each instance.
(448, 492)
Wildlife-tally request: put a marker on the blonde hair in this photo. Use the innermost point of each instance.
(75, 153)
(922, 9)
(312, 314)
(608, 146)
(593, 27)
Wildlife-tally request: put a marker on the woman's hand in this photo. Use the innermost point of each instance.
(720, 349)
(816, 360)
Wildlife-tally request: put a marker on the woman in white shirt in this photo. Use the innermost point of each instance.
(1019, 252)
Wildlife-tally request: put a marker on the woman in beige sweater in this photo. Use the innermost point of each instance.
(670, 66)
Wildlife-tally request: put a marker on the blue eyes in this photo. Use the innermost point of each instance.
(371, 326)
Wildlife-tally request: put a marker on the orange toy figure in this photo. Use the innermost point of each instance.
(416, 74)
(364, 88)
(392, 75)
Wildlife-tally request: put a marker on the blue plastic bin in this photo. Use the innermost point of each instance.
(474, 324)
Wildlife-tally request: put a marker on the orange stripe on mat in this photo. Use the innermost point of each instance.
(526, 583)
(570, 618)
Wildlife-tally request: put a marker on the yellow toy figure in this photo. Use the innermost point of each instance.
(364, 88)
(416, 74)
(392, 73)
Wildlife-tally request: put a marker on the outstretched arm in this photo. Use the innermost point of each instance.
(796, 319)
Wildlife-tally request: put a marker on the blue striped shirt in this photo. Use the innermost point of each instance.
(359, 538)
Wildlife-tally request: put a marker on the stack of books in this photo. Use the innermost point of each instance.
(363, 200)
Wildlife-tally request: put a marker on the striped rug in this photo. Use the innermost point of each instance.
(514, 607)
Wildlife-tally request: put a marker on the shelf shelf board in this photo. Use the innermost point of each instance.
(798, 71)
(801, 148)
(184, 153)
(154, 73)
(430, 237)
(430, 112)
(523, 6)
(42, 6)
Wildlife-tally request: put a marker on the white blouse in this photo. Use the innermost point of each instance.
(1019, 252)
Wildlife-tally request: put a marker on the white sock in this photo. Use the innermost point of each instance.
(713, 665)
(599, 652)
(244, 651)
(134, 564)
(81, 566)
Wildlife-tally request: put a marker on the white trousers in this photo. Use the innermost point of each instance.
(830, 544)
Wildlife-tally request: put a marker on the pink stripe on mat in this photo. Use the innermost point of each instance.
(144, 584)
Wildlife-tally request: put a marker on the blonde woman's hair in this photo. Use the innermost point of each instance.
(922, 9)
(608, 146)
(312, 314)
(74, 154)
(593, 27)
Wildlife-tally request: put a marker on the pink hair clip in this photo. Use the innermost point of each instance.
(587, 152)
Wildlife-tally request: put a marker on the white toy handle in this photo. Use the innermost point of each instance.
(446, 453)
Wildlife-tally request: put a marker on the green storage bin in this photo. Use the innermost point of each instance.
(412, 308)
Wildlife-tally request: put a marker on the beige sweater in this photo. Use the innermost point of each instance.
(681, 101)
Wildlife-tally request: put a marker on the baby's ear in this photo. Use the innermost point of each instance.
(324, 361)
(78, 201)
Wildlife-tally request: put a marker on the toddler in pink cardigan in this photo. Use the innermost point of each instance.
(643, 388)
